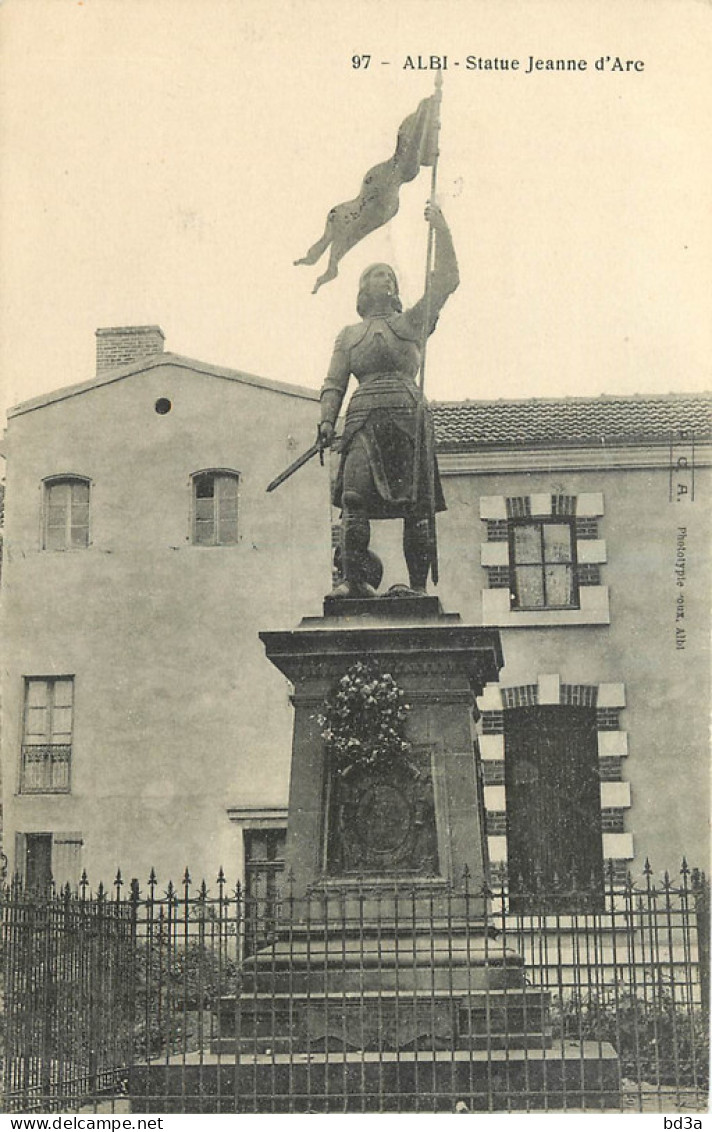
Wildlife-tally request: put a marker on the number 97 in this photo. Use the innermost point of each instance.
(360, 61)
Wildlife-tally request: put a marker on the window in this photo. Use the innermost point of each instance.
(264, 866)
(542, 556)
(553, 807)
(36, 863)
(215, 508)
(47, 735)
(41, 858)
(66, 514)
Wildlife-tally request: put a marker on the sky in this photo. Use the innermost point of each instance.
(165, 161)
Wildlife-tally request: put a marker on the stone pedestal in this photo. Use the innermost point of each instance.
(381, 943)
(424, 825)
(382, 978)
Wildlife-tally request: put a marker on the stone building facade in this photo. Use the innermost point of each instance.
(581, 529)
(142, 724)
(142, 557)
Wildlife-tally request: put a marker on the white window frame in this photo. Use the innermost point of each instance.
(56, 775)
(217, 474)
(71, 479)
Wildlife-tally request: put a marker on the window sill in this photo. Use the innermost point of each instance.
(497, 611)
(42, 792)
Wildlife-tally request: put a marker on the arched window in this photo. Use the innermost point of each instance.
(215, 508)
(66, 513)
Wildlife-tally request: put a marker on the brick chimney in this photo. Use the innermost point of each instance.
(118, 346)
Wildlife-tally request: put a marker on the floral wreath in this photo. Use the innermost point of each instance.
(363, 721)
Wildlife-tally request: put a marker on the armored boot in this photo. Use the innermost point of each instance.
(416, 549)
(361, 569)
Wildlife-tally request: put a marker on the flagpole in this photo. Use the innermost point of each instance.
(431, 231)
(420, 412)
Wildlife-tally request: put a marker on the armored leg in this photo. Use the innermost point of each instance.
(416, 549)
(362, 570)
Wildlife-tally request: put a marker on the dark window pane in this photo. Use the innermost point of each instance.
(204, 487)
(38, 860)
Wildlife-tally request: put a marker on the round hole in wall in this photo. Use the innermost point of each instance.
(163, 406)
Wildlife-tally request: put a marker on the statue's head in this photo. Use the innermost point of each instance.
(378, 291)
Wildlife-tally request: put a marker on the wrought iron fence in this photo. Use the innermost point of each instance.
(367, 995)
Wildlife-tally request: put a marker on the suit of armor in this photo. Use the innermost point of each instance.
(377, 476)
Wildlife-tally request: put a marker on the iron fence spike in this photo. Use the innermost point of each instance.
(152, 879)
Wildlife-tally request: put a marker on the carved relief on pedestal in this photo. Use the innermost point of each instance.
(382, 819)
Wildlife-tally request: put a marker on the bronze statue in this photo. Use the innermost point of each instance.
(388, 468)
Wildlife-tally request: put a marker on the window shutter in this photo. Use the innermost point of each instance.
(66, 858)
(226, 510)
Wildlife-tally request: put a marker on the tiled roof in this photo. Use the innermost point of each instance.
(568, 421)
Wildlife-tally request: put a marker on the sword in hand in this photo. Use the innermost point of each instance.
(318, 446)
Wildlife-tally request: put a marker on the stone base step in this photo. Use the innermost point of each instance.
(284, 1043)
(577, 1076)
(385, 1020)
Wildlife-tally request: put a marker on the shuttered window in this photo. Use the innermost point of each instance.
(66, 514)
(47, 735)
(215, 498)
(553, 807)
(41, 858)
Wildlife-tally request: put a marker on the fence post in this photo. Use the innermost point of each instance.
(701, 892)
(134, 900)
(5, 969)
